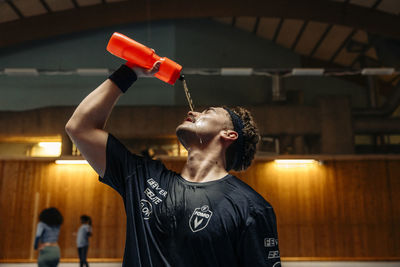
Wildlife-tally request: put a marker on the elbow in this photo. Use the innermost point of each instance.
(71, 128)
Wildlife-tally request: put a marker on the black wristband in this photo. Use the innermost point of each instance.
(123, 77)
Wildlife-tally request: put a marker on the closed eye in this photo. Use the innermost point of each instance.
(209, 109)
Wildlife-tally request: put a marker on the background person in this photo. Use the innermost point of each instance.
(82, 239)
(47, 232)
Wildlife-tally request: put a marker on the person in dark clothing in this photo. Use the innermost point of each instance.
(201, 217)
(47, 232)
(82, 239)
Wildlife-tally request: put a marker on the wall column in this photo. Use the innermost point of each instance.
(336, 125)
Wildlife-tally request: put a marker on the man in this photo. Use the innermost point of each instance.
(201, 217)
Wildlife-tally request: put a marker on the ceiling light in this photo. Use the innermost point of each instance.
(92, 72)
(236, 71)
(72, 161)
(46, 149)
(377, 71)
(296, 163)
(307, 72)
(21, 71)
(50, 145)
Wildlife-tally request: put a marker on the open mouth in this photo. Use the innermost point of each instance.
(190, 119)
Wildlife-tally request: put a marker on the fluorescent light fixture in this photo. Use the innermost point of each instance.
(236, 71)
(72, 161)
(50, 145)
(377, 71)
(47, 149)
(92, 72)
(307, 72)
(296, 161)
(21, 71)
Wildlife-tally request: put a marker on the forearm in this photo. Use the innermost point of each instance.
(36, 244)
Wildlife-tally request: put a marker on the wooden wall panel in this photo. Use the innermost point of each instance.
(341, 209)
(393, 176)
(74, 190)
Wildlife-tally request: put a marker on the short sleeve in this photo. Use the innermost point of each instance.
(120, 163)
(124, 169)
(39, 229)
(259, 240)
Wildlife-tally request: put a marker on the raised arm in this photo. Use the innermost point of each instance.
(86, 125)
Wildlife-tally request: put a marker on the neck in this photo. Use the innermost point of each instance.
(205, 163)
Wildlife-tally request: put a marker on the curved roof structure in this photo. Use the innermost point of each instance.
(340, 32)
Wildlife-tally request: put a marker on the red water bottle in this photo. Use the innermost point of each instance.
(139, 55)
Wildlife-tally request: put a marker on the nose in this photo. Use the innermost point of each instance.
(193, 114)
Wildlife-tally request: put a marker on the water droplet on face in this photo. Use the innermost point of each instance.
(198, 124)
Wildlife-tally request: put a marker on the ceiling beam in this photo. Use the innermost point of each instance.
(277, 30)
(105, 15)
(343, 45)
(75, 3)
(321, 39)
(256, 24)
(299, 34)
(15, 8)
(233, 22)
(45, 5)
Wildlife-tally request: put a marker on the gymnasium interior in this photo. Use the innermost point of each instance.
(321, 78)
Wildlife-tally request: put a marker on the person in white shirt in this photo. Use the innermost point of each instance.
(82, 239)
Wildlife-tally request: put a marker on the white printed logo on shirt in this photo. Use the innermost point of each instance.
(200, 218)
(146, 208)
(270, 242)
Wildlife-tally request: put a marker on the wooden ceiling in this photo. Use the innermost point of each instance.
(340, 32)
(342, 45)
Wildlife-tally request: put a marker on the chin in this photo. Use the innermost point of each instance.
(180, 129)
(184, 128)
(185, 134)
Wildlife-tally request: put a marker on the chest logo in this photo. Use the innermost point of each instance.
(200, 218)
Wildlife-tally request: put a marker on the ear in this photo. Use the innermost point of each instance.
(229, 135)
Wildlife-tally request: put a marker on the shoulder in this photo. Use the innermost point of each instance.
(156, 169)
(43, 225)
(118, 152)
(84, 228)
(250, 198)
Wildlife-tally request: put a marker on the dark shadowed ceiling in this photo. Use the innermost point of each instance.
(339, 32)
(326, 33)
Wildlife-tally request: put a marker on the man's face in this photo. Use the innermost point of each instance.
(202, 127)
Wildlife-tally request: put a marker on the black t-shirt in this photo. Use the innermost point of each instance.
(174, 222)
